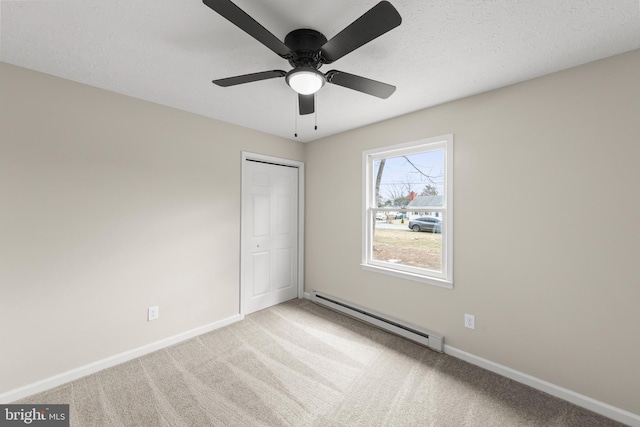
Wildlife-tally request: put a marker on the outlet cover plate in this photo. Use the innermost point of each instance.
(469, 321)
(153, 313)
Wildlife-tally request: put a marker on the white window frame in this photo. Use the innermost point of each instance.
(442, 278)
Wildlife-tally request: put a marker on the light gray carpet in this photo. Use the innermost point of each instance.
(299, 364)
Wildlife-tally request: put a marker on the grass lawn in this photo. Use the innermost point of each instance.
(417, 249)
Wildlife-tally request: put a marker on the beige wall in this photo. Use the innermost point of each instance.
(109, 205)
(547, 227)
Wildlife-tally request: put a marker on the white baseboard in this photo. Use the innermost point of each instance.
(91, 368)
(586, 402)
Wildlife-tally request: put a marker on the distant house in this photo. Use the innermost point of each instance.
(425, 201)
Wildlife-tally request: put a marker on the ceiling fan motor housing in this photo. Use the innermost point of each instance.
(305, 45)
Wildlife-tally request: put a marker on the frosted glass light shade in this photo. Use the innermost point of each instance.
(306, 81)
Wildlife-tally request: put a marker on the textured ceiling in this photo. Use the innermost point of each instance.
(168, 51)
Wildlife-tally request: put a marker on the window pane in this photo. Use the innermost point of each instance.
(412, 180)
(414, 243)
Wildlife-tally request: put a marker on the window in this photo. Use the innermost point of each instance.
(408, 212)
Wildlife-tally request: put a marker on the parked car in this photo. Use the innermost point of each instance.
(426, 223)
(380, 216)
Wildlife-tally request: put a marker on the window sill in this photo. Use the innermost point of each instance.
(409, 276)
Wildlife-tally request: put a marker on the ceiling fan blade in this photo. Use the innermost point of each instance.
(374, 23)
(248, 78)
(306, 104)
(249, 25)
(361, 84)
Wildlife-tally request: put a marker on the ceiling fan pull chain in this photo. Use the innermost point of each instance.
(295, 115)
(315, 110)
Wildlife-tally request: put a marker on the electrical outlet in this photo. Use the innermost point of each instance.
(469, 321)
(153, 313)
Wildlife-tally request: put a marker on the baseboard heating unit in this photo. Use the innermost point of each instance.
(421, 336)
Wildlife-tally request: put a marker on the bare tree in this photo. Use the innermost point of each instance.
(378, 180)
(394, 192)
(398, 192)
(431, 178)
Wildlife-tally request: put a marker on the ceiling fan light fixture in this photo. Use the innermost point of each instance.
(305, 81)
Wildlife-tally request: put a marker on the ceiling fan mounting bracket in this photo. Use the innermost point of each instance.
(305, 44)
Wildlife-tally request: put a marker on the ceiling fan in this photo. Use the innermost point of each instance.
(307, 50)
